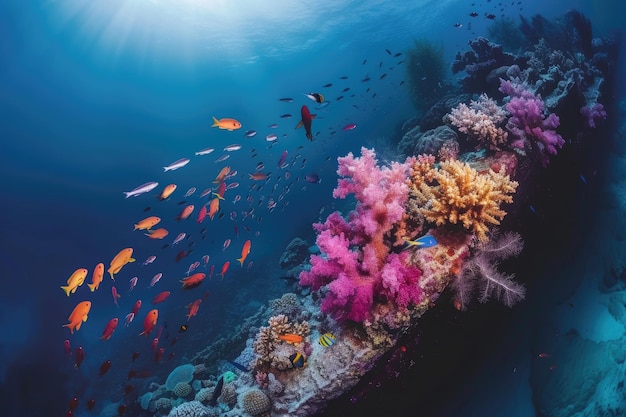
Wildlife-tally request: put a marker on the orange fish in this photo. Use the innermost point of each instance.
(214, 207)
(78, 316)
(185, 213)
(193, 308)
(226, 123)
(222, 175)
(244, 252)
(150, 321)
(147, 223)
(221, 189)
(122, 258)
(109, 329)
(157, 234)
(96, 278)
(291, 338)
(193, 280)
(74, 281)
(167, 191)
(224, 268)
(258, 176)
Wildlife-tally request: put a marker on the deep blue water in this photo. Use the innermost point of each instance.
(96, 98)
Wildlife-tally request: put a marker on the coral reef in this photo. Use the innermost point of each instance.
(461, 195)
(270, 349)
(189, 409)
(295, 253)
(182, 389)
(183, 373)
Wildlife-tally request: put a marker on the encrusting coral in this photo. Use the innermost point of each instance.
(461, 195)
(268, 342)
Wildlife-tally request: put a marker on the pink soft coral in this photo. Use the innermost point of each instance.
(527, 122)
(356, 262)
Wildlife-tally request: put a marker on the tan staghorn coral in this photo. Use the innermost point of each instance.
(459, 194)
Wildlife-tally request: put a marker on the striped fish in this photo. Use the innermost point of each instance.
(327, 339)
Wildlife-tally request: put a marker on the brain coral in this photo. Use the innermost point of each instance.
(229, 395)
(182, 389)
(255, 402)
(182, 373)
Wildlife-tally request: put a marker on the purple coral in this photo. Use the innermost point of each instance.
(528, 123)
(593, 113)
(356, 261)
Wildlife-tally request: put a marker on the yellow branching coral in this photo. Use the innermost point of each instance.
(460, 194)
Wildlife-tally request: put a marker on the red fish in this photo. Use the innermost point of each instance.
(68, 347)
(544, 355)
(202, 214)
(135, 356)
(159, 354)
(258, 176)
(307, 117)
(185, 213)
(349, 126)
(193, 281)
(73, 404)
(79, 357)
(193, 308)
(115, 296)
(245, 251)
(149, 322)
(104, 368)
(181, 255)
(224, 268)
(155, 343)
(136, 307)
(109, 329)
(91, 403)
(283, 158)
(159, 298)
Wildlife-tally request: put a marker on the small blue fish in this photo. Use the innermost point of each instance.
(425, 241)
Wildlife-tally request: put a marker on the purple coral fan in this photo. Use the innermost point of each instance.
(527, 122)
(356, 262)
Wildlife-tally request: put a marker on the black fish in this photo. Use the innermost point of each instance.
(180, 203)
(365, 79)
(397, 55)
(147, 209)
(217, 391)
(339, 98)
(327, 85)
(167, 245)
(473, 14)
(239, 366)
(343, 78)
(364, 61)
(383, 76)
(285, 116)
(490, 16)
(203, 230)
(286, 99)
(401, 82)
(381, 64)
(388, 51)
(346, 89)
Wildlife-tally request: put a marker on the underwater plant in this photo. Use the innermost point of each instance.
(426, 72)
(507, 33)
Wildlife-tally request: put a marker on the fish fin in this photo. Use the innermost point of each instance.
(92, 287)
(240, 261)
(131, 259)
(313, 116)
(215, 122)
(77, 327)
(66, 289)
(299, 125)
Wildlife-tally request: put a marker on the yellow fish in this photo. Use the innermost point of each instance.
(96, 278)
(74, 281)
(78, 316)
(226, 123)
(122, 258)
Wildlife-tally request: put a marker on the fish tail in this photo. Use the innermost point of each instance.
(92, 287)
(215, 122)
(67, 290)
(240, 260)
(112, 277)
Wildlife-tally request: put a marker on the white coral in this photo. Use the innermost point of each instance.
(480, 120)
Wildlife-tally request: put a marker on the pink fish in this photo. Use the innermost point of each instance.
(226, 244)
(133, 282)
(237, 198)
(129, 318)
(149, 260)
(349, 126)
(68, 347)
(190, 192)
(233, 215)
(211, 271)
(115, 296)
(192, 268)
(232, 185)
(283, 158)
(155, 279)
(205, 261)
(206, 192)
(180, 237)
(202, 214)
(136, 307)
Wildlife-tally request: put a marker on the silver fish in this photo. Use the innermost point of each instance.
(144, 188)
(177, 164)
(205, 151)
